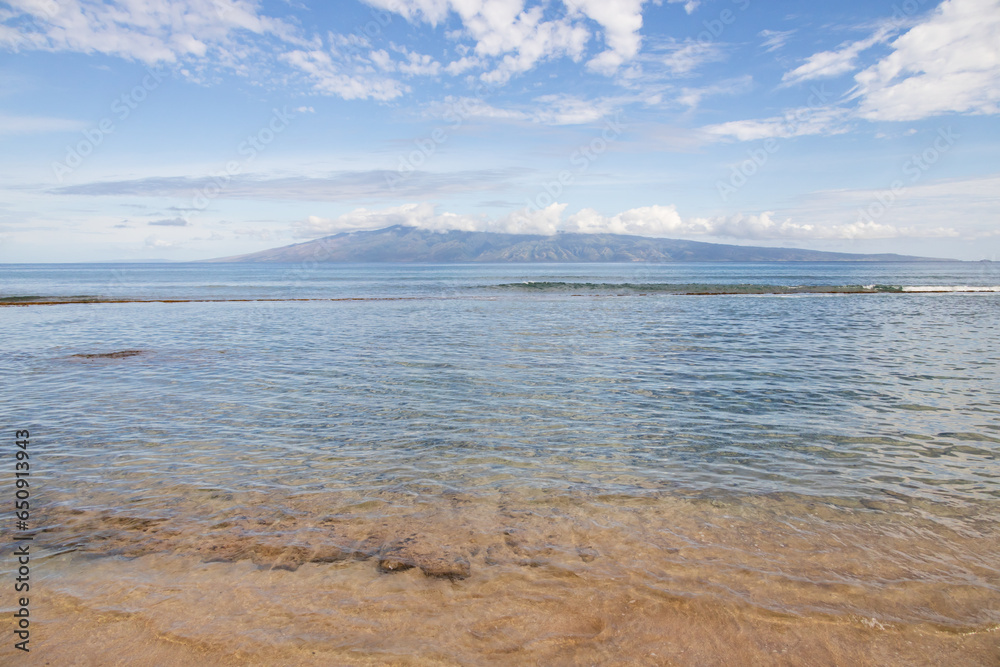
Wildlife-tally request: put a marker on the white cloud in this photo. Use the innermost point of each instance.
(515, 38)
(421, 215)
(763, 227)
(775, 39)
(948, 63)
(334, 187)
(151, 31)
(455, 109)
(661, 221)
(546, 220)
(545, 110)
(524, 46)
(200, 35)
(682, 58)
(463, 64)
(621, 22)
(827, 64)
(382, 60)
(504, 31)
(650, 221)
(569, 110)
(418, 64)
(793, 123)
(431, 11)
(498, 39)
(333, 77)
(644, 221)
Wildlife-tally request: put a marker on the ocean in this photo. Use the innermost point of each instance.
(552, 464)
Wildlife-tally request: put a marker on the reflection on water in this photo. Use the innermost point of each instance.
(529, 478)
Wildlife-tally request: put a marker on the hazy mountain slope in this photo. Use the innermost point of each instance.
(410, 244)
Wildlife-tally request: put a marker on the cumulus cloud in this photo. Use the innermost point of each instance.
(644, 221)
(546, 220)
(661, 221)
(763, 227)
(423, 215)
(419, 64)
(950, 62)
(506, 34)
(652, 221)
(621, 22)
(511, 37)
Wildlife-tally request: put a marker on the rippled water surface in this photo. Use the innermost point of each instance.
(553, 464)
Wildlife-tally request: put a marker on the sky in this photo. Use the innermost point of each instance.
(192, 129)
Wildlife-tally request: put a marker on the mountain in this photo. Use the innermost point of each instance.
(410, 244)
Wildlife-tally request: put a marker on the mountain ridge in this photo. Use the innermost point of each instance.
(403, 244)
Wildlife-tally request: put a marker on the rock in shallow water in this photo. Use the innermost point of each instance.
(392, 563)
(446, 568)
(401, 557)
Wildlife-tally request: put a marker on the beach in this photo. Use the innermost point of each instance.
(425, 466)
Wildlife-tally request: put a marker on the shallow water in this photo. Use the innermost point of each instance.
(495, 475)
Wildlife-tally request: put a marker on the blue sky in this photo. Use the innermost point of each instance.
(189, 129)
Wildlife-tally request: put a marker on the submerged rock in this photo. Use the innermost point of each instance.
(393, 563)
(406, 555)
(446, 567)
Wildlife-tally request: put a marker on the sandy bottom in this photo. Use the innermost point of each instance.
(528, 578)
